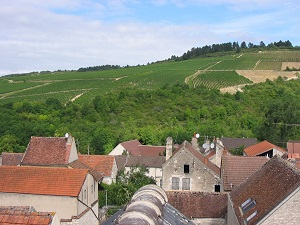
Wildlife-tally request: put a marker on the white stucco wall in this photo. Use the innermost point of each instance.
(73, 153)
(88, 194)
(154, 172)
(118, 150)
(65, 207)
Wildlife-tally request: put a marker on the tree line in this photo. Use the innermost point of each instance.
(229, 47)
(261, 111)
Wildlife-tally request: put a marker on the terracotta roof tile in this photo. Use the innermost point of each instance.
(260, 148)
(233, 143)
(79, 165)
(47, 151)
(134, 147)
(11, 159)
(147, 161)
(101, 163)
(147, 150)
(269, 186)
(199, 204)
(41, 180)
(131, 145)
(23, 216)
(236, 169)
(293, 147)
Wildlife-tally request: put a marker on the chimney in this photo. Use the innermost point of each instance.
(169, 148)
(219, 152)
(195, 143)
(207, 145)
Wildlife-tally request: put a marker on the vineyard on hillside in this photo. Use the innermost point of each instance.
(218, 79)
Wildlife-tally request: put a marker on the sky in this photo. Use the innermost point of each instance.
(39, 35)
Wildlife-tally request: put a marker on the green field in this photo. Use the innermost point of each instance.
(212, 72)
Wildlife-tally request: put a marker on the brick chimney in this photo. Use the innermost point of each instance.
(169, 148)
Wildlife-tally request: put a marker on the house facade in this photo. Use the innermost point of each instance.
(71, 193)
(188, 169)
(152, 163)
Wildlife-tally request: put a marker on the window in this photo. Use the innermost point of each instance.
(84, 194)
(217, 188)
(92, 189)
(186, 184)
(186, 168)
(247, 205)
(250, 217)
(175, 183)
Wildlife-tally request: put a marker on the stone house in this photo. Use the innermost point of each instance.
(270, 196)
(264, 148)
(134, 147)
(152, 163)
(236, 169)
(188, 169)
(71, 193)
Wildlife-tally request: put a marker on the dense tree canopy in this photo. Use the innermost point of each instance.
(266, 111)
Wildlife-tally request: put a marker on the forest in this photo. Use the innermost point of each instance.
(268, 111)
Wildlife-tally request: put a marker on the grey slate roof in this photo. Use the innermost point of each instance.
(233, 143)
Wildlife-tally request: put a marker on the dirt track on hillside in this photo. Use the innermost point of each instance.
(258, 76)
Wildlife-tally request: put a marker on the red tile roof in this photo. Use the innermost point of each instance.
(11, 159)
(199, 156)
(147, 150)
(199, 204)
(47, 151)
(134, 147)
(101, 163)
(79, 165)
(268, 187)
(260, 148)
(42, 180)
(293, 147)
(131, 145)
(24, 216)
(236, 169)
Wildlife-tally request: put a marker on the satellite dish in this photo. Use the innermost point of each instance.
(204, 145)
(66, 135)
(212, 145)
(197, 135)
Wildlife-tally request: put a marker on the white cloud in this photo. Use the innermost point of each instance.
(68, 34)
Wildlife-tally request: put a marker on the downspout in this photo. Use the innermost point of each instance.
(89, 208)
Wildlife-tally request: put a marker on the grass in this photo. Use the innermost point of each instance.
(215, 72)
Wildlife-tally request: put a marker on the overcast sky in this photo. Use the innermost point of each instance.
(41, 35)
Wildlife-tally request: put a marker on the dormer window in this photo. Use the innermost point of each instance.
(247, 205)
(186, 169)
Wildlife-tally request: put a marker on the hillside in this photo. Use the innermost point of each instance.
(227, 73)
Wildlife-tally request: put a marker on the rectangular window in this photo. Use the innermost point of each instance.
(84, 194)
(250, 217)
(175, 183)
(92, 189)
(186, 184)
(217, 188)
(186, 168)
(247, 205)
